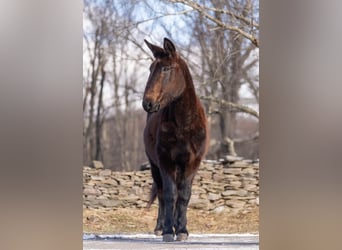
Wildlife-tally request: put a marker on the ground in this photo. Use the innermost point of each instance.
(143, 221)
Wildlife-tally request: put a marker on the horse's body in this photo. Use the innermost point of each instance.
(175, 137)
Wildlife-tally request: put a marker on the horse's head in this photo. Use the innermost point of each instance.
(166, 81)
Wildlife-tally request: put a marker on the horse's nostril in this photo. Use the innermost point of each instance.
(147, 105)
(150, 106)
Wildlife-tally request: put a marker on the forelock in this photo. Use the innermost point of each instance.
(161, 54)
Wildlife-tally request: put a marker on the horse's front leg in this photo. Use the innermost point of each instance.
(160, 220)
(184, 194)
(170, 196)
(158, 189)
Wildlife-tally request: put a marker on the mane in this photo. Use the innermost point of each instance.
(189, 95)
(187, 74)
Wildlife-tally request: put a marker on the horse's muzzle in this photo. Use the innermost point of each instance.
(150, 107)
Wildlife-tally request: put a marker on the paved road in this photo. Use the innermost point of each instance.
(195, 241)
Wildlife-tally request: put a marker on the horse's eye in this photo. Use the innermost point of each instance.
(166, 68)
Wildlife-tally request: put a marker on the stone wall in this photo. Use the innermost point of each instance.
(232, 184)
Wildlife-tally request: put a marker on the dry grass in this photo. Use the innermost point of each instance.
(143, 221)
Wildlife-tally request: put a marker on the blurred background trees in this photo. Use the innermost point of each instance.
(218, 39)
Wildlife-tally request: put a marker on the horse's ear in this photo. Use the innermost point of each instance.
(169, 47)
(154, 48)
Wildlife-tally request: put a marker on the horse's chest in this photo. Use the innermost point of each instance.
(170, 134)
(174, 143)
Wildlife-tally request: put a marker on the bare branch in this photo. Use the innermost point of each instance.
(239, 17)
(250, 138)
(201, 9)
(250, 65)
(254, 88)
(238, 107)
(161, 16)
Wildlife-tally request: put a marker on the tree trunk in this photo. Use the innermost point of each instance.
(98, 130)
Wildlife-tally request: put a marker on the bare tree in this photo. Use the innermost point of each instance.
(110, 85)
(98, 153)
(96, 60)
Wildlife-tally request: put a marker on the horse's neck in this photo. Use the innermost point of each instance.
(188, 98)
(184, 109)
(187, 101)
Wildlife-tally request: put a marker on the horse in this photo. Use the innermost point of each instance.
(175, 138)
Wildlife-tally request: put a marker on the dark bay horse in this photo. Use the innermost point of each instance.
(175, 137)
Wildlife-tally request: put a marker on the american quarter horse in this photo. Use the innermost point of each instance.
(175, 137)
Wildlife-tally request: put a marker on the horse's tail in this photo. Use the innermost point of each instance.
(153, 196)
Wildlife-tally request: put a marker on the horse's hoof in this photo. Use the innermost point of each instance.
(168, 237)
(182, 237)
(158, 232)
